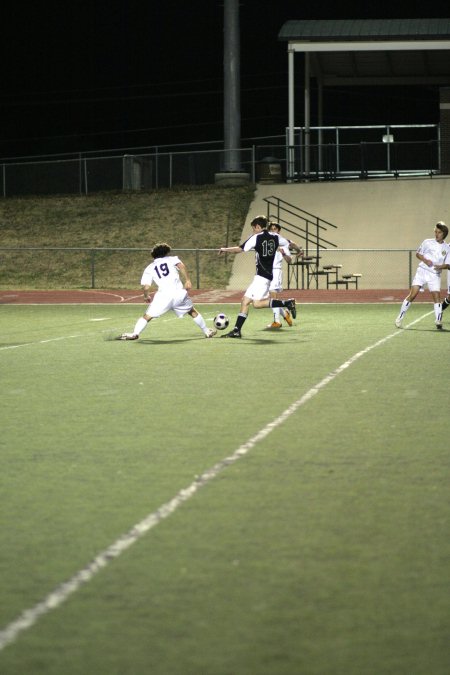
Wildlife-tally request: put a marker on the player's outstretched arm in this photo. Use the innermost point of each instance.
(285, 255)
(230, 249)
(295, 248)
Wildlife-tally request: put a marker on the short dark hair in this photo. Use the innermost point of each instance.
(261, 221)
(273, 224)
(442, 227)
(161, 250)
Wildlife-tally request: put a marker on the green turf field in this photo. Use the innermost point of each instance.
(288, 494)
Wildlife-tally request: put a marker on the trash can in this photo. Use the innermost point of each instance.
(269, 170)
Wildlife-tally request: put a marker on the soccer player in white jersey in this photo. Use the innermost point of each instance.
(432, 254)
(446, 266)
(276, 285)
(265, 245)
(172, 293)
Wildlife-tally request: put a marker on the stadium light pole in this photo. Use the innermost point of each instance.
(232, 174)
(231, 66)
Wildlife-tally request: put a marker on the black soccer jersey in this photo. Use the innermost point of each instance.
(265, 245)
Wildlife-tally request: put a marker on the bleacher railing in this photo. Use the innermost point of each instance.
(308, 229)
(363, 152)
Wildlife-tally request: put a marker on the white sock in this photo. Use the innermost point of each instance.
(140, 325)
(200, 321)
(276, 314)
(438, 311)
(404, 309)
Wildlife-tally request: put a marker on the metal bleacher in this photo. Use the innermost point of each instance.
(310, 232)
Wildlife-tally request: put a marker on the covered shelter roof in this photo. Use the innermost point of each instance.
(373, 51)
(369, 52)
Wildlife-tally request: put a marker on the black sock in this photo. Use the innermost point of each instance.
(278, 303)
(241, 318)
(445, 303)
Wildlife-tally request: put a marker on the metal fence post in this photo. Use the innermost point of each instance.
(338, 154)
(92, 268)
(85, 176)
(197, 267)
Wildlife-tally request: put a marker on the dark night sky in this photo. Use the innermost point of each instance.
(89, 74)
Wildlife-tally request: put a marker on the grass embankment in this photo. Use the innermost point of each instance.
(188, 218)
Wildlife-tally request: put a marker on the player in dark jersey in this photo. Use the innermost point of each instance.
(265, 244)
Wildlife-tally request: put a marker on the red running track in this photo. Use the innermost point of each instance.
(89, 296)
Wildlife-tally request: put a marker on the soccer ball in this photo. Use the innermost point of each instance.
(221, 321)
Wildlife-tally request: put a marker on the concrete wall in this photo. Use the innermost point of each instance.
(372, 214)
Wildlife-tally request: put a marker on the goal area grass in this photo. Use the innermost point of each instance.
(275, 505)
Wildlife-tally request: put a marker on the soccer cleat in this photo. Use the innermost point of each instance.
(210, 333)
(128, 336)
(290, 304)
(274, 324)
(235, 333)
(287, 317)
(398, 323)
(439, 325)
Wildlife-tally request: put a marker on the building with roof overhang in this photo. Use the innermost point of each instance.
(369, 52)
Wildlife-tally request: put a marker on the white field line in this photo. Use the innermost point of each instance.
(60, 594)
(70, 337)
(40, 342)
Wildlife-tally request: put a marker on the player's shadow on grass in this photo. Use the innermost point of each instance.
(427, 329)
(169, 341)
(275, 341)
(262, 341)
(114, 337)
(269, 338)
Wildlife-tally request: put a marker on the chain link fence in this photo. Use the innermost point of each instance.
(108, 268)
(121, 268)
(333, 152)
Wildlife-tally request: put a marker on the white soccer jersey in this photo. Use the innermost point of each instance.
(447, 261)
(164, 273)
(434, 251)
(277, 280)
(277, 261)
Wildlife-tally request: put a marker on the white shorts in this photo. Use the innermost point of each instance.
(277, 282)
(162, 303)
(428, 278)
(258, 289)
